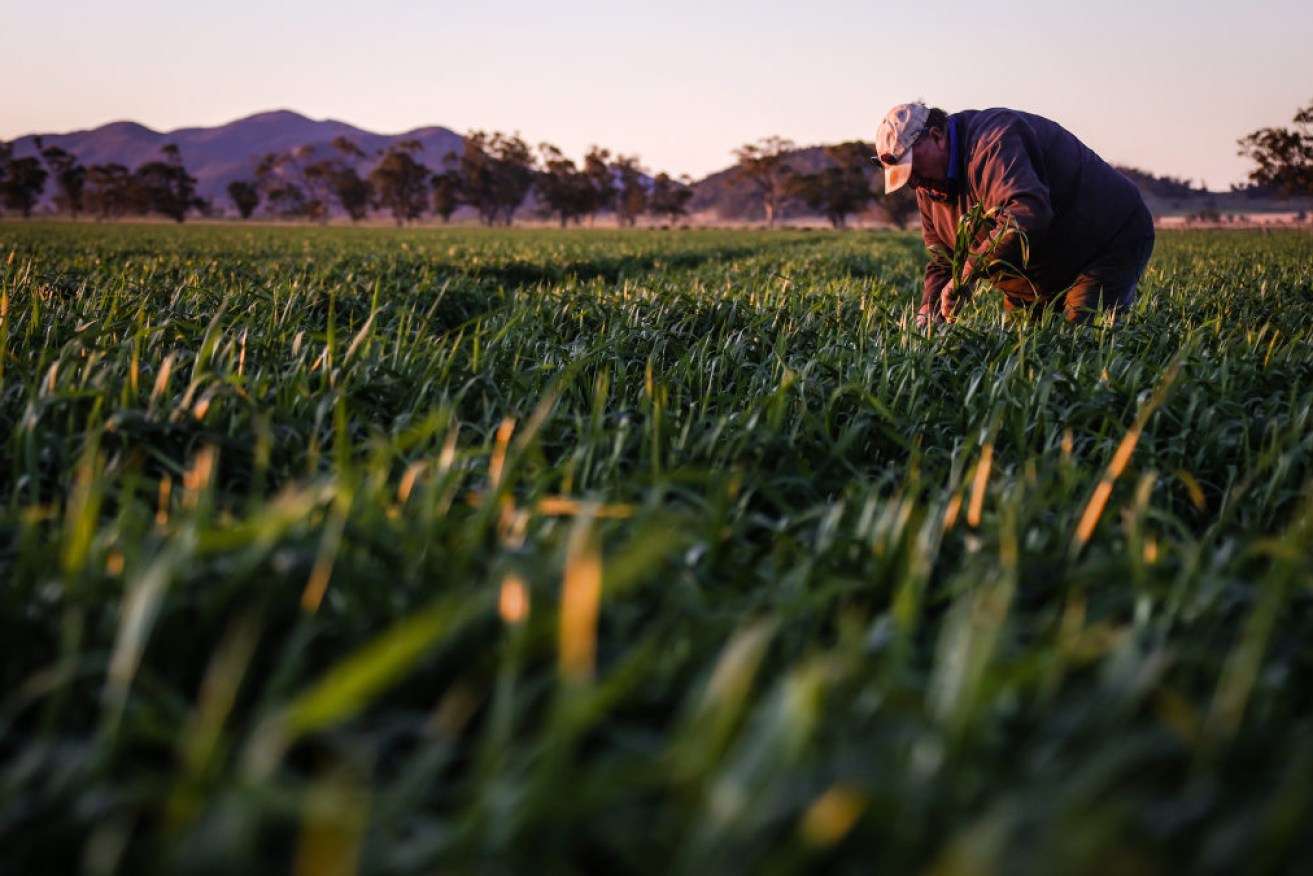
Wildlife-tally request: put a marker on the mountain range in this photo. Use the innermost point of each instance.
(217, 156)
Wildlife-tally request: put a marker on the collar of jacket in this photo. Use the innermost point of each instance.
(955, 168)
(954, 153)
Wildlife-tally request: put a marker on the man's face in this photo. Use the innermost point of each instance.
(930, 164)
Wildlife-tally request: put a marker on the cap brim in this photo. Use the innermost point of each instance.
(897, 175)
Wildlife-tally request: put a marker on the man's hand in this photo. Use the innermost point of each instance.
(923, 318)
(949, 301)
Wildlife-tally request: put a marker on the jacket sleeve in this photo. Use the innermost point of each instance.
(1003, 170)
(937, 270)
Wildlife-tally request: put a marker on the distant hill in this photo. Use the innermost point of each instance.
(217, 156)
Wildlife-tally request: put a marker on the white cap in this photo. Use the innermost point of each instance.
(894, 137)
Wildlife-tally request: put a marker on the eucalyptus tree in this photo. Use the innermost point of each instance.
(562, 188)
(109, 191)
(763, 167)
(840, 189)
(401, 184)
(279, 184)
(165, 186)
(1284, 156)
(669, 197)
(900, 207)
(446, 187)
(601, 181)
(70, 178)
(21, 182)
(245, 196)
(352, 192)
(516, 171)
(497, 172)
(631, 193)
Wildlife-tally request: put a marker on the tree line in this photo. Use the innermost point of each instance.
(494, 174)
(161, 185)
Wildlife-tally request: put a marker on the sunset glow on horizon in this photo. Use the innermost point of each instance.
(1168, 88)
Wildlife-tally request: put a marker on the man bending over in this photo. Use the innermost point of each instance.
(1055, 225)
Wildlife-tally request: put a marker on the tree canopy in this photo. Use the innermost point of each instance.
(564, 190)
(497, 172)
(245, 196)
(70, 178)
(631, 194)
(840, 190)
(165, 185)
(401, 184)
(669, 197)
(21, 183)
(1284, 156)
(762, 166)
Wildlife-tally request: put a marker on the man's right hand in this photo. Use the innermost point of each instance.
(949, 301)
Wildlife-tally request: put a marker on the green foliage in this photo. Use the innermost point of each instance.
(982, 240)
(840, 190)
(21, 182)
(473, 551)
(165, 187)
(303, 182)
(562, 188)
(899, 207)
(446, 193)
(597, 169)
(631, 190)
(400, 183)
(245, 196)
(160, 186)
(763, 166)
(669, 198)
(496, 173)
(1284, 156)
(109, 191)
(70, 178)
(353, 194)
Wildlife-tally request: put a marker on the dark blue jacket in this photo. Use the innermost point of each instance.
(1069, 203)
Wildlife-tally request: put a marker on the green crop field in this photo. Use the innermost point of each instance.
(463, 551)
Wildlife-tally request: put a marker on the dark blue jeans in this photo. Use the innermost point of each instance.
(1108, 283)
(1111, 281)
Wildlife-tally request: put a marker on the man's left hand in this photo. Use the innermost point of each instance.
(923, 318)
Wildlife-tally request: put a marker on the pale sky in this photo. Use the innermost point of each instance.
(1164, 85)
